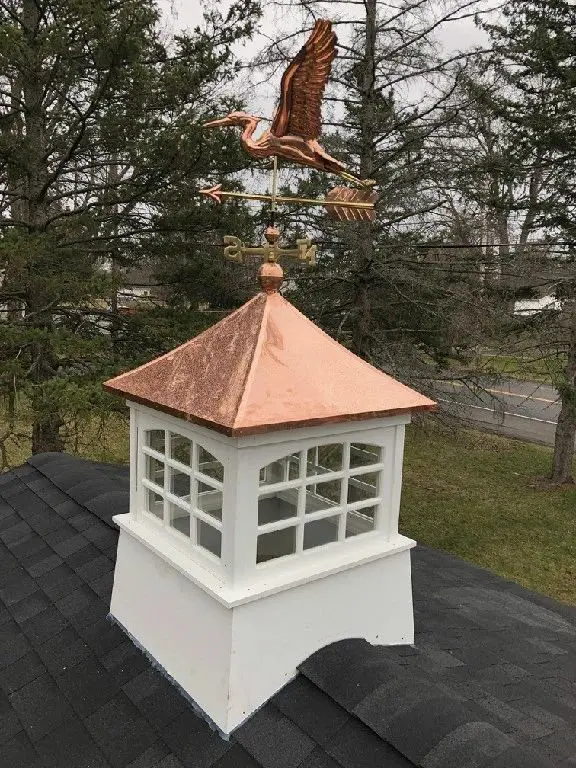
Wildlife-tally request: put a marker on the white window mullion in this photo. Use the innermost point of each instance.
(208, 519)
(271, 490)
(325, 477)
(322, 513)
(167, 472)
(194, 496)
(366, 470)
(278, 525)
(344, 491)
(301, 509)
(175, 464)
(152, 486)
(358, 506)
(207, 480)
(155, 454)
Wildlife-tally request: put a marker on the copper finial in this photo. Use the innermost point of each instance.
(272, 235)
(270, 276)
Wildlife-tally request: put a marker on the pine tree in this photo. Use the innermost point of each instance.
(535, 49)
(99, 117)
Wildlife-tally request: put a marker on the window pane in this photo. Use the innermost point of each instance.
(363, 487)
(324, 458)
(180, 519)
(279, 506)
(181, 449)
(155, 470)
(294, 466)
(287, 468)
(155, 504)
(363, 454)
(360, 521)
(155, 439)
(276, 544)
(210, 466)
(323, 495)
(319, 532)
(209, 538)
(272, 473)
(179, 483)
(210, 500)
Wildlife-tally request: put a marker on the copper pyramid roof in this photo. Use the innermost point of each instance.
(264, 367)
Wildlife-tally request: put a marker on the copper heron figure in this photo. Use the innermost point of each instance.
(297, 121)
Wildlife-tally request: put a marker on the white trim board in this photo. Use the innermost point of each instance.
(372, 547)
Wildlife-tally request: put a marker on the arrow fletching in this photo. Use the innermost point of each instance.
(337, 208)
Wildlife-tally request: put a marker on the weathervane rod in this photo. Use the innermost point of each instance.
(274, 186)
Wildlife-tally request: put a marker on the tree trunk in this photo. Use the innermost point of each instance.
(566, 426)
(362, 320)
(46, 436)
(113, 178)
(46, 419)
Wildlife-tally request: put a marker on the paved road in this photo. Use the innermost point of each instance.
(517, 408)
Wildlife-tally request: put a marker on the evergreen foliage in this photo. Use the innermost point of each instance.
(102, 156)
(101, 151)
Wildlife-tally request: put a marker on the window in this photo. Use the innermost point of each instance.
(319, 496)
(183, 486)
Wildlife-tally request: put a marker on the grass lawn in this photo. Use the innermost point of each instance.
(98, 439)
(543, 370)
(473, 494)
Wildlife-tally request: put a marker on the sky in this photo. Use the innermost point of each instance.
(182, 14)
(260, 94)
(187, 13)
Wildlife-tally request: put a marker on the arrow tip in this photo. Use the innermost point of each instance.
(213, 192)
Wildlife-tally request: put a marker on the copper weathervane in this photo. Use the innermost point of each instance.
(293, 135)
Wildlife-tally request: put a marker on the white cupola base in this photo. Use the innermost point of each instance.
(231, 658)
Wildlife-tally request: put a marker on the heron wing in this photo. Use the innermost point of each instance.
(299, 112)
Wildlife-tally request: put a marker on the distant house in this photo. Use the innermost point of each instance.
(140, 288)
(533, 306)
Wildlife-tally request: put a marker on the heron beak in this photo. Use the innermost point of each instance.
(218, 123)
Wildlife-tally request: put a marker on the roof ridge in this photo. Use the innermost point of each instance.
(194, 339)
(393, 700)
(257, 351)
(349, 352)
(117, 493)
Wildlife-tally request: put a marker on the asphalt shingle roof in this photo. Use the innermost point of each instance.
(490, 683)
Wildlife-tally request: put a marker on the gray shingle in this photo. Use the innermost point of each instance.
(490, 683)
(265, 731)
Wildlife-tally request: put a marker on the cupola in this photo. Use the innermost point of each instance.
(266, 470)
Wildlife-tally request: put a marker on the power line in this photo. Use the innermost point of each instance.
(442, 246)
(490, 245)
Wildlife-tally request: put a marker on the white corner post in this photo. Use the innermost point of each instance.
(242, 556)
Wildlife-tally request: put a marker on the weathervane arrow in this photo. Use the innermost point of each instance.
(341, 202)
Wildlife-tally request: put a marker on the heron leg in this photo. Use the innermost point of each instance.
(357, 181)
